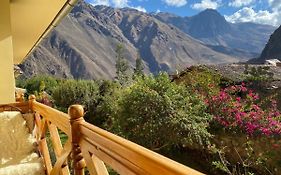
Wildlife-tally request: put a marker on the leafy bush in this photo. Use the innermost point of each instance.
(77, 92)
(258, 74)
(37, 84)
(202, 80)
(258, 78)
(155, 113)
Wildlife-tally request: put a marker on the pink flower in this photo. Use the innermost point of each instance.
(238, 99)
(245, 114)
(265, 131)
(255, 107)
(243, 89)
(250, 128)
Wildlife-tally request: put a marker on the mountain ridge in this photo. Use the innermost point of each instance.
(83, 45)
(211, 28)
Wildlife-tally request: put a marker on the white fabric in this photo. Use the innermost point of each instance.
(17, 150)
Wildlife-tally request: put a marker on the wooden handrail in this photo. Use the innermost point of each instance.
(132, 156)
(23, 106)
(93, 147)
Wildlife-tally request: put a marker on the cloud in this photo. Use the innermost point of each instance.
(275, 4)
(100, 2)
(205, 4)
(240, 3)
(248, 14)
(117, 3)
(175, 3)
(120, 3)
(140, 8)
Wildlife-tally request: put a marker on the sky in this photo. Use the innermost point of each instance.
(257, 11)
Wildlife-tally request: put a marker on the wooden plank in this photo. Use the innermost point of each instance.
(100, 166)
(45, 154)
(131, 154)
(57, 146)
(61, 160)
(90, 165)
(38, 127)
(94, 165)
(44, 128)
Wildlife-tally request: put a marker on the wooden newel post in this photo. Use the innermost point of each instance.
(76, 113)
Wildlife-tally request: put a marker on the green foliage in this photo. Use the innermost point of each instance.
(39, 84)
(202, 80)
(258, 77)
(241, 156)
(107, 105)
(155, 113)
(139, 67)
(122, 65)
(260, 73)
(77, 92)
(99, 99)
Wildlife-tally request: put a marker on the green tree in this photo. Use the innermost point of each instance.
(122, 65)
(107, 106)
(139, 66)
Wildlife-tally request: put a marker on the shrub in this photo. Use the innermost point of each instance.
(202, 80)
(236, 108)
(41, 83)
(155, 113)
(77, 92)
(258, 78)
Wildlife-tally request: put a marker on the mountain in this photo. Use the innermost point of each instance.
(272, 49)
(83, 44)
(210, 27)
(207, 24)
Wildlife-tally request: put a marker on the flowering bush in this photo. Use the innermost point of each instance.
(236, 107)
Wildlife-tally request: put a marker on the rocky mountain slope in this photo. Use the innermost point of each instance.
(272, 49)
(83, 45)
(211, 27)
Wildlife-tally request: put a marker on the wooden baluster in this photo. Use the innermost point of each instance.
(76, 113)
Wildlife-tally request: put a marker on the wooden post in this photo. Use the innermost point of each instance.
(76, 113)
(31, 99)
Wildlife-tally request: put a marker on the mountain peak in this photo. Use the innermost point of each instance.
(208, 23)
(209, 10)
(211, 14)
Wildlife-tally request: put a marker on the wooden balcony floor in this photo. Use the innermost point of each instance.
(17, 150)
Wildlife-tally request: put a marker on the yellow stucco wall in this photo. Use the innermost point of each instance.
(23, 24)
(7, 80)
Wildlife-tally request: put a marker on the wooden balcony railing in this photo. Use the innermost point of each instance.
(89, 147)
